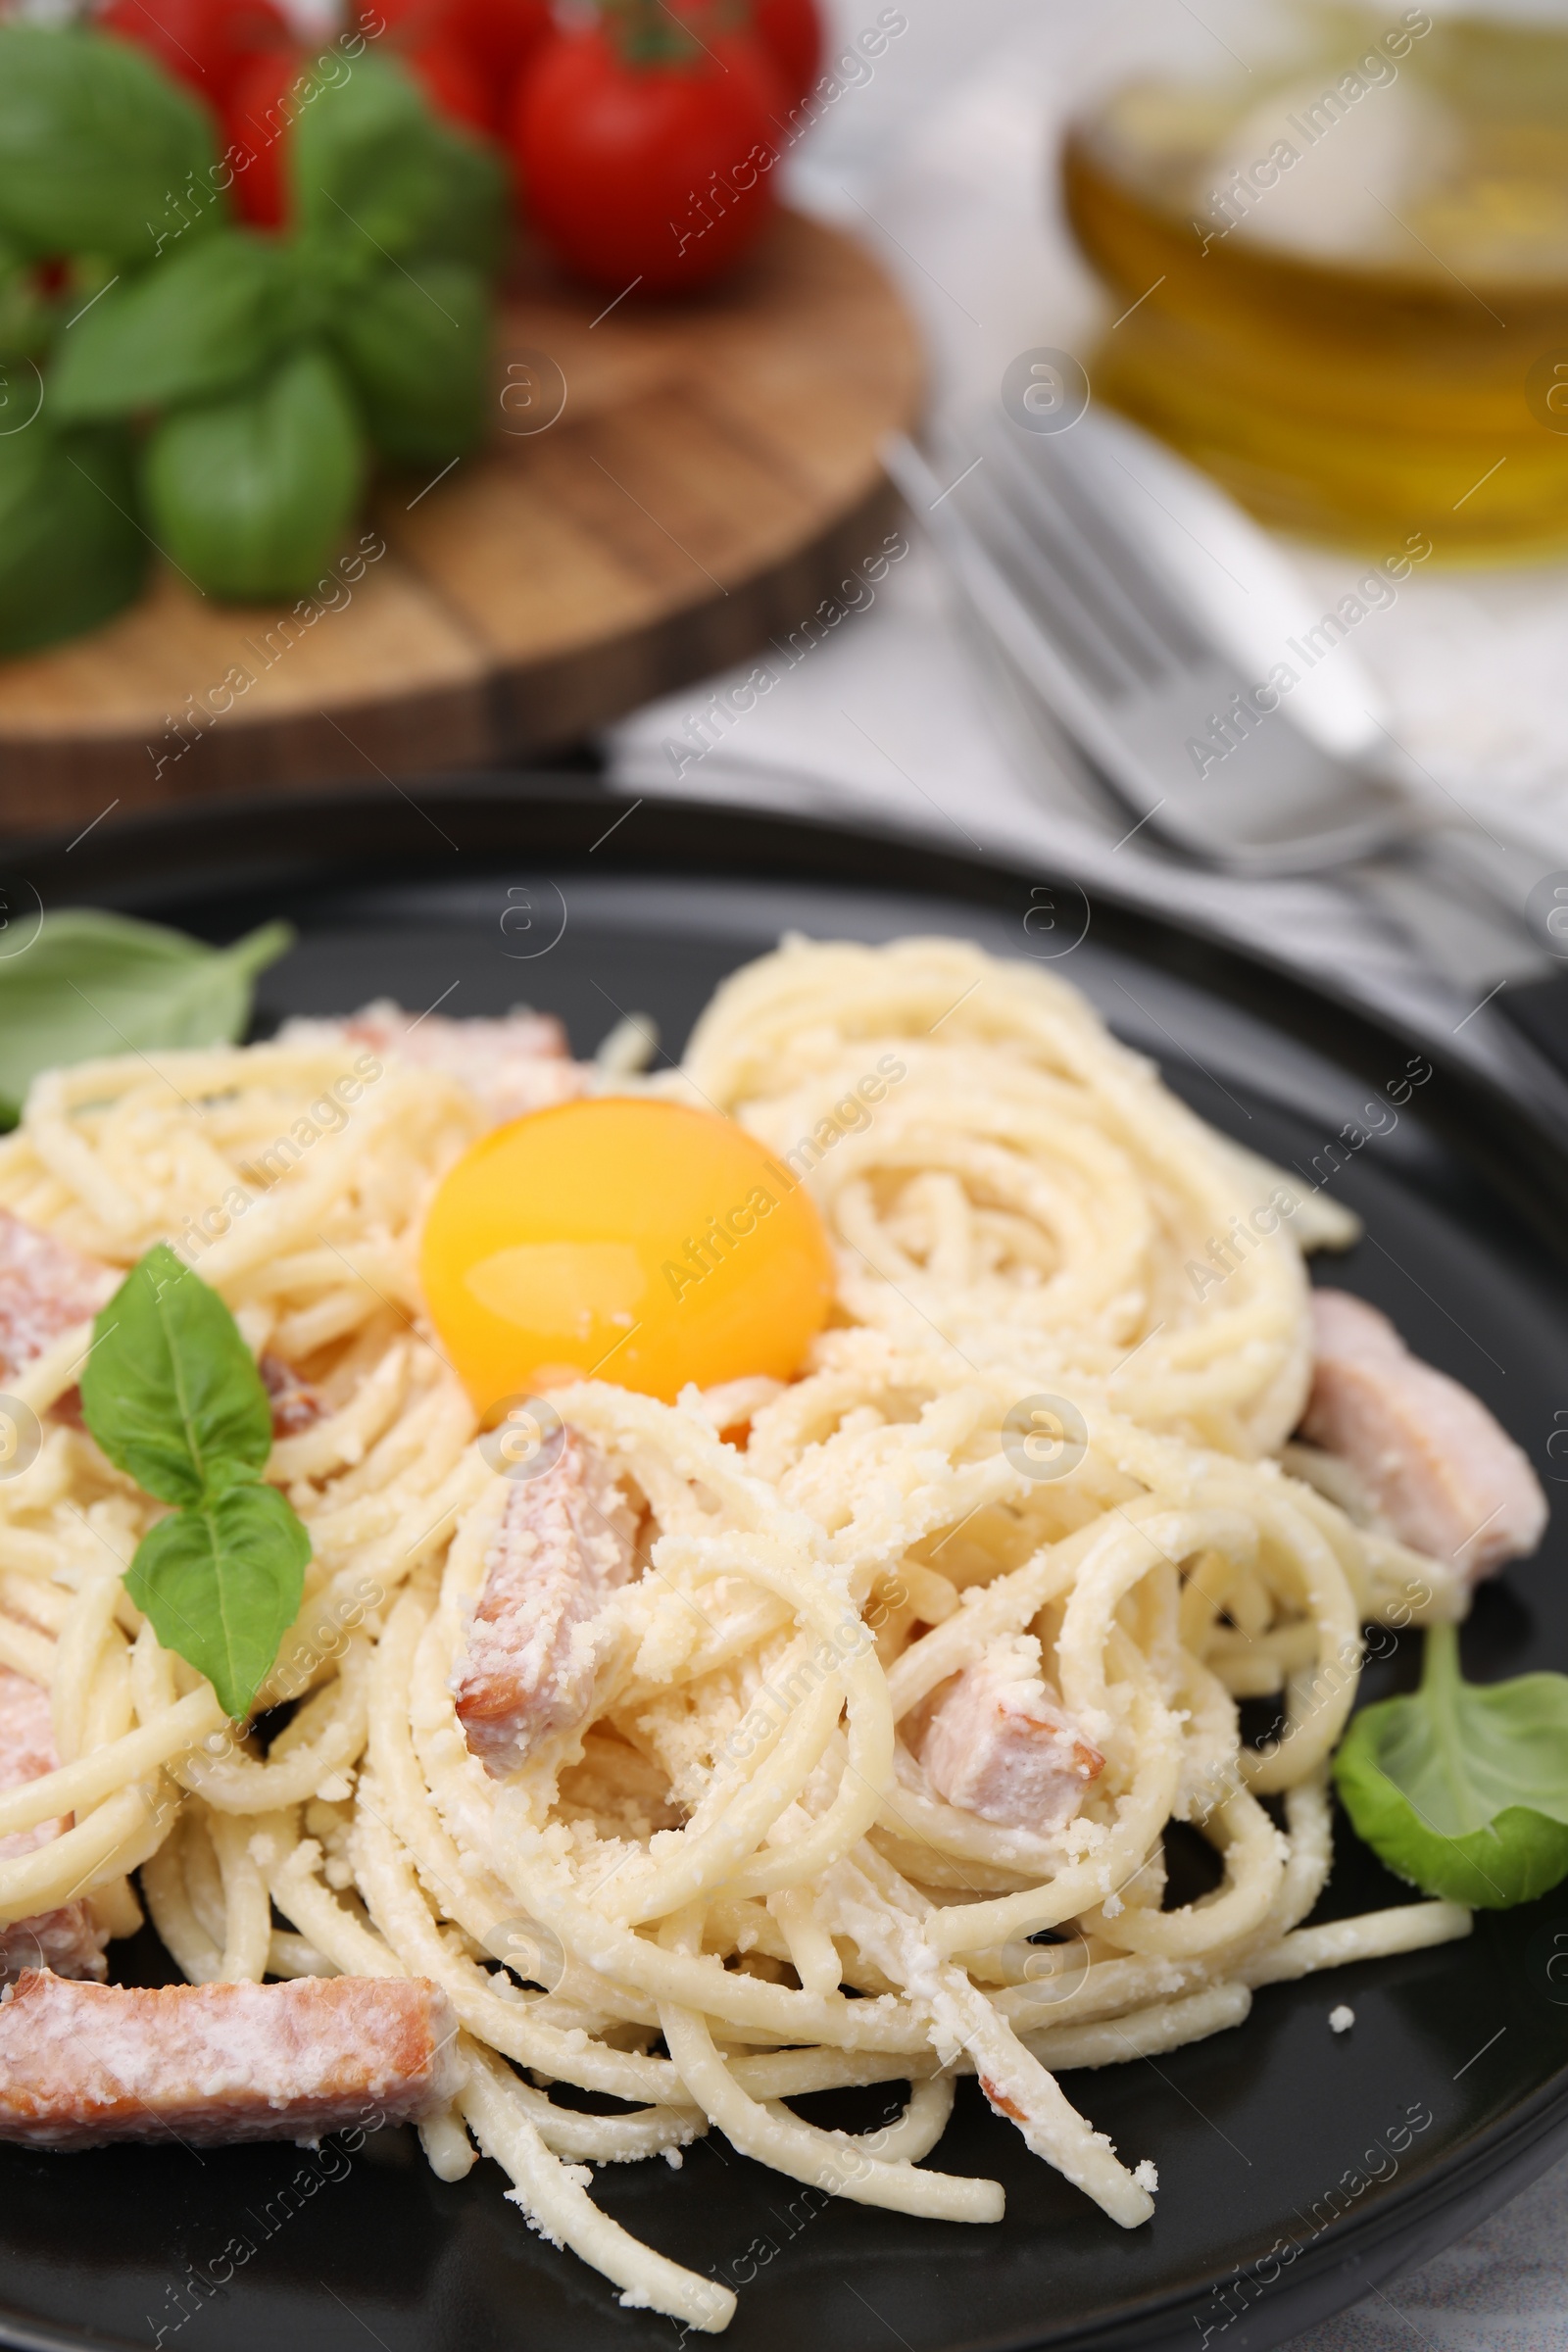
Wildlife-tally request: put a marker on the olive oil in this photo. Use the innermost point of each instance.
(1343, 283)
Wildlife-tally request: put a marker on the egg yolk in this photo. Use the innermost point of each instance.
(634, 1240)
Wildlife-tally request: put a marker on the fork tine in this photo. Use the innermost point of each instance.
(1140, 583)
(1054, 567)
(1046, 540)
(1048, 481)
(1050, 662)
(1280, 802)
(1048, 584)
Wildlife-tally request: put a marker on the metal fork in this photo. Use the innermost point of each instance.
(1038, 535)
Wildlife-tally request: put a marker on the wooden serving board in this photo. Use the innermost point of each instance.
(712, 476)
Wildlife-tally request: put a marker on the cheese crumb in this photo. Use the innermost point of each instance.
(1342, 2019)
(1146, 2175)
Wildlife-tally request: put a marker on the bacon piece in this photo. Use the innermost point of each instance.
(1001, 2104)
(81, 2064)
(566, 1541)
(1448, 1481)
(997, 1744)
(66, 1940)
(45, 1286)
(515, 1064)
(296, 1406)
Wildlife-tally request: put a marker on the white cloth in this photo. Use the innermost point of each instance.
(887, 721)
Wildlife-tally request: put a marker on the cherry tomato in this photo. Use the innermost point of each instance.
(503, 37)
(653, 173)
(499, 38)
(261, 113)
(256, 123)
(451, 83)
(791, 31)
(208, 44)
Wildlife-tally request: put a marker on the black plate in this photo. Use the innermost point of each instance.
(1299, 2169)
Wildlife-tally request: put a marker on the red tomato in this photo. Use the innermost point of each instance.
(791, 31)
(493, 40)
(451, 84)
(258, 116)
(658, 174)
(256, 125)
(503, 37)
(209, 44)
(384, 19)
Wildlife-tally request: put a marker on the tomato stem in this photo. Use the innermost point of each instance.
(648, 33)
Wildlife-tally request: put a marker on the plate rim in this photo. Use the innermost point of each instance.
(1520, 1147)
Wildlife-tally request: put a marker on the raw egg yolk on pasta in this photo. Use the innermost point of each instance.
(631, 1239)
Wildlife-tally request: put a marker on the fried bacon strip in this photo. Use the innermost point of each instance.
(81, 2064)
(515, 1064)
(998, 1745)
(566, 1541)
(1447, 1479)
(296, 1406)
(45, 1288)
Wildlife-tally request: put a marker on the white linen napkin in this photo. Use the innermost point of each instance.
(886, 721)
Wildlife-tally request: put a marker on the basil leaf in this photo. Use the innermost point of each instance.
(70, 553)
(26, 317)
(1462, 1788)
(90, 984)
(94, 139)
(209, 317)
(373, 166)
(170, 1392)
(465, 217)
(418, 354)
(250, 495)
(222, 1584)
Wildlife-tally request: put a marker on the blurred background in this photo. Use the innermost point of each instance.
(939, 413)
(1322, 253)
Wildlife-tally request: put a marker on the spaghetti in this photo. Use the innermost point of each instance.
(1029, 1433)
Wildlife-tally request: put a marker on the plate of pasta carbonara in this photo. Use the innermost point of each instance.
(588, 1603)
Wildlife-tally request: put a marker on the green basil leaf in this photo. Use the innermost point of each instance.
(465, 217)
(250, 495)
(1462, 1788)
(373, 166)
(95, 140)
(27, 320)
(88, 984)
(70, 552)
(222, 1584)
(170, 1392)
(208, 318)
(419, 352)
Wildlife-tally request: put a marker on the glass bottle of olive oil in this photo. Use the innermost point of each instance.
(1341, 266)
